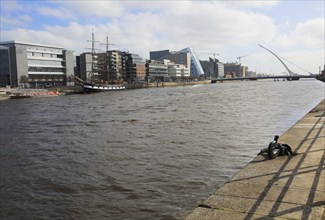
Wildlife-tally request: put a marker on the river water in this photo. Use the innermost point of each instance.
(138, 154)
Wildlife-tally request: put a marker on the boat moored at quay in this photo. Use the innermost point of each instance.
(90, 87)
(93, 87)
(99, 79)
(31, 94)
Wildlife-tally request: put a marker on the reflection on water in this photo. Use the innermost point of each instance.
(140, 154)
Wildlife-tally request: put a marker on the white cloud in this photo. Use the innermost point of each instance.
(252, 4)
(8, 22)
(200, 25)
(140, 27)
(61, 13)
(96, 8)
(32, 36)
(25, 18)
(167, 25)
(309, 34)
(11, 6)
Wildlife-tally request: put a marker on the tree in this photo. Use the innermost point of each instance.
(70, 81)
(24, 80)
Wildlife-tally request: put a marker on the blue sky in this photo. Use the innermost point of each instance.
(292, 29)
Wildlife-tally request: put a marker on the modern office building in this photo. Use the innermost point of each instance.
(244, 70)
(178, 71)
(155, 55)
(182, 58)
(221, 69)
(36, 65)
(185, 56)
(5, 71)
(165, 70)
(157, 70)
(196, 68)
(135, 67)
(212, 68)
(85, 66)
(233, 69)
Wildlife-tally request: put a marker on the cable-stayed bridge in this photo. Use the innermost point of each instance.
(290, 77)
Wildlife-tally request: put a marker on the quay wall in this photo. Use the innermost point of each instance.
(165, 84)
(5, 92)
(281, 188)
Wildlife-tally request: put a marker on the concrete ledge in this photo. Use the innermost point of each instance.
(282, 188)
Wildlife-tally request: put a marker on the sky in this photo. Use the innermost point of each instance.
(226, 29)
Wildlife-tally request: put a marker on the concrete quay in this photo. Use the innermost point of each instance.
(282, 188)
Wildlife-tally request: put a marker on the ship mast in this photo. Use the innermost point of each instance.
(107, 57)
(94, 68)
(93, 56)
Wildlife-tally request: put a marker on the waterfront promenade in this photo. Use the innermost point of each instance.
(282, 188)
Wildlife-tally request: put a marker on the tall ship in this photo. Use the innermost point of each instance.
(100, 79)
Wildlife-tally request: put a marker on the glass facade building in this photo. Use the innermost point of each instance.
(196, 68)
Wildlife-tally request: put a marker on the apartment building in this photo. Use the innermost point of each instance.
(112, 65)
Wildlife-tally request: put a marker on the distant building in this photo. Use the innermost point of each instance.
(178, 71)
(250, 73)
(103, 66)
(233, 69)
(157, 70)
(156, 55)
(135, 67)
(244, 70)
(36, 65)
(112, 65)
(185, 56)
(115, 65)
(5, 71)
(196, 68)
(212, 68)
(221, 69)
(85, 66)
(165, 70)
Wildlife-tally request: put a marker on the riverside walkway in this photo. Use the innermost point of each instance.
(282, 188)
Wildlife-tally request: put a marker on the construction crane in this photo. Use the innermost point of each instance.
(239, 58)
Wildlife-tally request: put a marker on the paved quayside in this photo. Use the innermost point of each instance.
(282, 188)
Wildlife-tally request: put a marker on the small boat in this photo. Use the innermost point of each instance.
(19, 96)
(45, 94)
(33, 94)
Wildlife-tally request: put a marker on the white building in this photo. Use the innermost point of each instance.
(177, 70)
(156, 70)
(36, 65)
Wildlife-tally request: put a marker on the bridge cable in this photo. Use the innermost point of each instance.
(296, 65)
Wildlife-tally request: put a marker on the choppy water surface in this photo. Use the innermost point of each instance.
(140, 154)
